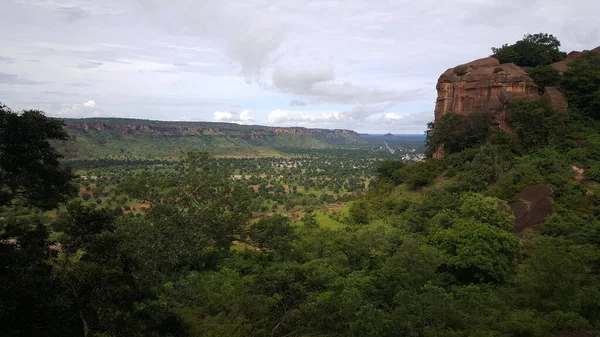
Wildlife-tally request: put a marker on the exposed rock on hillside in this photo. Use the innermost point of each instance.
(534, 207)
(99, 137)
(483, 85)
(127, 126)
(557, 99)
(563, 65)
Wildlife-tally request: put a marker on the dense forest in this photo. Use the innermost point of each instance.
(439, 247)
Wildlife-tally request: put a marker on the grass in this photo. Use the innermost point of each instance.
(325, 221)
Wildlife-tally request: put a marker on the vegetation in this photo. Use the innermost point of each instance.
(532, 51)
(460, 70)
(544, 76)
(323, 242)
(581, 83)
(457, 132)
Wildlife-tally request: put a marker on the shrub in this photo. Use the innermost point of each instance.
(498, 70)
(460, 132)
(460, 70)
(544, 76)
(581, 84)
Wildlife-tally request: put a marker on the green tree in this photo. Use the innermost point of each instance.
(544, 76)
(476, 252)
(30, 173)
(388, 170)
(272, 234)
(581, 84)
(359, 212)
(531, 51)
(456, 132)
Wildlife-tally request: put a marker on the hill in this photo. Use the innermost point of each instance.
(101, 137)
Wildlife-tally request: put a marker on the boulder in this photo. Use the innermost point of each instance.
(533, 207)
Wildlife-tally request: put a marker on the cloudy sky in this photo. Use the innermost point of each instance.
(367, 65)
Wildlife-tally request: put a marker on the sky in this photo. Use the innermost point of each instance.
(366, 65)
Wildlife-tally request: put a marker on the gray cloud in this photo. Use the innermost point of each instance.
(15, 79)
(90, 65)
(250, 40)
(319, 84)
(297, 102)
(6, 60)
(360, 112)
(72, 14)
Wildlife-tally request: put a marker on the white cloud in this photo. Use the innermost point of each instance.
(278, 116)
(392, 116)
(80, 110)
(90, 104)
(378, 122)
(220, 116)
(243, 117)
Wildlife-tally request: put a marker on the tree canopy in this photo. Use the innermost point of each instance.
(30, 172)
(531, 51)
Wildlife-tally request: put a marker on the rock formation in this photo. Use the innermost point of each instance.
(483, 85)
(563, 65)
(533, 207)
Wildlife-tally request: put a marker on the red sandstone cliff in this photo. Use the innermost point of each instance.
(483, 85)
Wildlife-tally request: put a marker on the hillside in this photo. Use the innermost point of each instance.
(101, 137)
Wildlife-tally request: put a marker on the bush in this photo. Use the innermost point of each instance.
(460, 70)
(458, 132)
(387, 170)
(498, 70)
(581, 84)
(535, 123)
(359, 212)
(544, 76)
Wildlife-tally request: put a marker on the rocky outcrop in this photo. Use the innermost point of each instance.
(483, 85)
(563, 65)
(557, 99)
(533, 207)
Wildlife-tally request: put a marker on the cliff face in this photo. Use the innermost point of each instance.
(174, 128)
(254, 134)
(483, 85)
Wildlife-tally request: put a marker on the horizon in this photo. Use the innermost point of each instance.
(357, 65)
